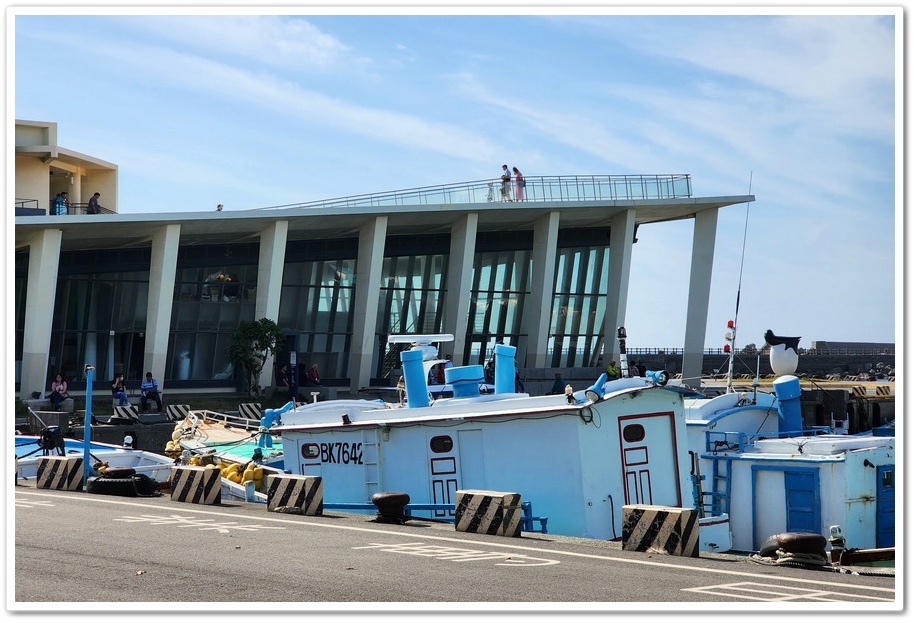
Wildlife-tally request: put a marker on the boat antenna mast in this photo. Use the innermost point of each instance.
(732, 332)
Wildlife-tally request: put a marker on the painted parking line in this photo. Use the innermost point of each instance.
(461, 554)
(201, 523)
(29, 503)
(755, 591)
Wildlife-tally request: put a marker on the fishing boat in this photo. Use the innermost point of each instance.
(770, 474)
(237, 439)
(579, 458)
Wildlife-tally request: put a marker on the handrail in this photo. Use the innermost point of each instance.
(537, 188)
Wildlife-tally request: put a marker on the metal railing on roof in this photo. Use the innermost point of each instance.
(537, 188)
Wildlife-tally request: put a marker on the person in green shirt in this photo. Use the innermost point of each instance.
(613, 372)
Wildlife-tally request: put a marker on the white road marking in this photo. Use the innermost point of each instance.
(752, 577)
(460, 554)
(193, 522)
(22, 503)
(756, 591)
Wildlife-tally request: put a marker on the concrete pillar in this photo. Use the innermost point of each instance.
(162, 267)
(44, 260)
(540, 302)
(623, 228)
(704, 247)
(271, 260)
(368, 277)
(460, 273)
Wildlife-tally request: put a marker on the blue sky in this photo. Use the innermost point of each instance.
(254, 110)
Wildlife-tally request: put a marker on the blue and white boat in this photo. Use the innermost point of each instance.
(745, 463)
(30, 448)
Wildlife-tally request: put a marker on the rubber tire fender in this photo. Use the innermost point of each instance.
(794, 542)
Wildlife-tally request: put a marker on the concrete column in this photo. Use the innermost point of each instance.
(44, 260)
(460, 272)
(162, 266)
(271, 260)
(704, 247)
(623, 228)
(540, 301)
(365, 310)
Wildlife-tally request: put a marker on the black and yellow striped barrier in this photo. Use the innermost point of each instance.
(64, 473)
(661, 530)
(294, 493)
(488, 512)
(196, 485)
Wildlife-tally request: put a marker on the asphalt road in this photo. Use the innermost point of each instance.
(91, 552)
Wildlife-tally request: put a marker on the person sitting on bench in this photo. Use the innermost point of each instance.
(119, 390)
(150, 389)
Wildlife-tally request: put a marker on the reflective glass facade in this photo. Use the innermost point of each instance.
(101, 304)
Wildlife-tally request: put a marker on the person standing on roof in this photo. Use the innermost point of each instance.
(505, 189)
(519, 184)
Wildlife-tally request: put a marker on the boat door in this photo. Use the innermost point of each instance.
(444, 470)
(803, 502)
(885, 507)
(649, 459)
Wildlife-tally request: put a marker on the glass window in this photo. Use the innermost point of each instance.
(440, 444)
(633, 433)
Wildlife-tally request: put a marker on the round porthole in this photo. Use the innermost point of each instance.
(442, 443)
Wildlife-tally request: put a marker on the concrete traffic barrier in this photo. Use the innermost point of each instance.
(197, 485)
(488, 512)
(288, 492)
(64, 473)
(661, 530)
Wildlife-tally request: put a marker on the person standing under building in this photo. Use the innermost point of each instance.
(150, 389)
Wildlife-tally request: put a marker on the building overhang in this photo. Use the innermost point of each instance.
(105, 231)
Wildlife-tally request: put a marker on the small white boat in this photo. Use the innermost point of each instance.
(30, 448)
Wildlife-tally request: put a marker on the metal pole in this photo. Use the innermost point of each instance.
(87, 427)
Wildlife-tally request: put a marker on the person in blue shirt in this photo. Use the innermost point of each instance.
(59, 207)
(150, 389)
(559, 385)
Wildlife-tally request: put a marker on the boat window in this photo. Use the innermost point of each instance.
(634, 432)
(310, 450)
(442, 443)
(887, 478)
